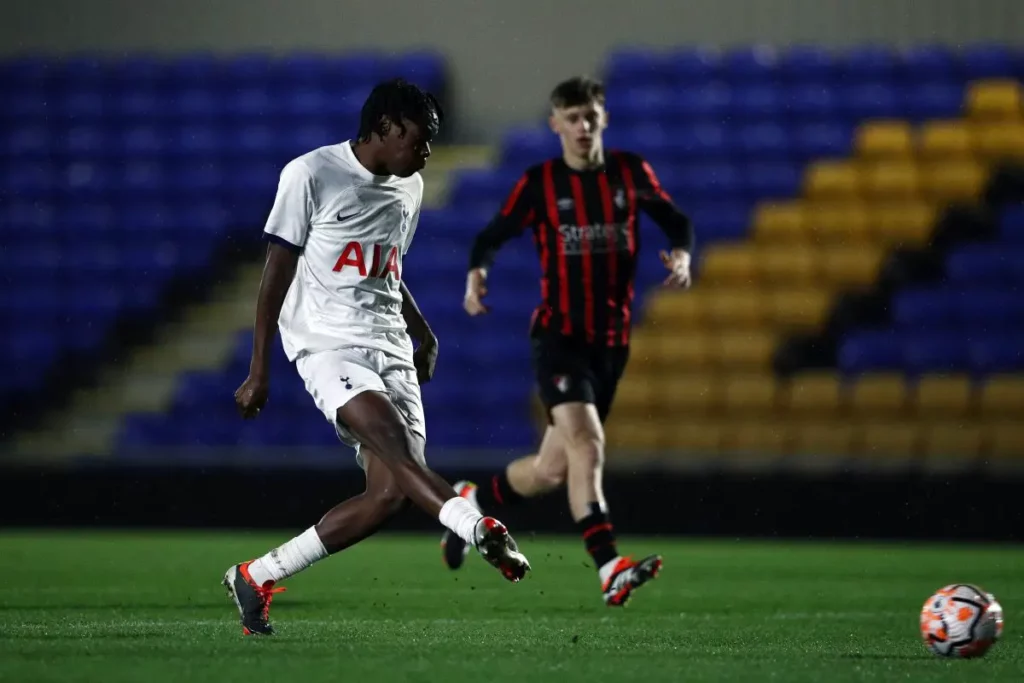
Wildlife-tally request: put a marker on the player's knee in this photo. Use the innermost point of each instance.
(390, 501)
(585, 447)
(389, 439)
(551, 475)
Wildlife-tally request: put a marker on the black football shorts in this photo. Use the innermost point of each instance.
(572, 371)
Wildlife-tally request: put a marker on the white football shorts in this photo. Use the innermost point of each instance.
(333, 378)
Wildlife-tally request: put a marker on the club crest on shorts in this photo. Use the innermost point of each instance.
(561, 382)
(348, 385)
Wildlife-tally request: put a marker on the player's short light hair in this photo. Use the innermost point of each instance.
(576, 92)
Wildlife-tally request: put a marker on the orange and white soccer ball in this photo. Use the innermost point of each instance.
(961, 620)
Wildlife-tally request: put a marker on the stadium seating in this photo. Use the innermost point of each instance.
(136, 170)
(878, 154)
(801, 168)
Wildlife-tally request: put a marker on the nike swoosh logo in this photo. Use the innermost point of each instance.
(341, 218)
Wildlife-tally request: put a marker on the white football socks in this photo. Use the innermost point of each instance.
(288, 559)
(459, 515)
(605, 571)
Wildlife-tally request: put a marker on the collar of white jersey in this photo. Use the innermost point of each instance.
(349, 156)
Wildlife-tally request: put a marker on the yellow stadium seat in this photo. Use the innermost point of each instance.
(837, 222)
(938, 396)
(734, 264)
(833, 179)
(952, 181)
(799, 309)
(892, 180)
(822, 439)
(1003, 396)
(691, 437)
(1006, 439)
(884, 139)
(751, 394)
(878, 395)
(644, 352)
(691, 394)
(952, 439)
(675, 310)
(636, 396)
(903, 223)
(779, 223)
(995, 99)
(632, 435)
(735, 308)
(744, 351)
(1001, 141)
(690, 349)
(889, 439)
(946, 140)
(813, 394)
(758, 437)
(787, 265)
(846, 266)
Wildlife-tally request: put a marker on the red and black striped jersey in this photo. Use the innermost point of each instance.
(584, 224)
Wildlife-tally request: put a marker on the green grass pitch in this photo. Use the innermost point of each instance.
(112, 607)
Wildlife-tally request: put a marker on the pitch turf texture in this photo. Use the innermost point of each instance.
(112, 607)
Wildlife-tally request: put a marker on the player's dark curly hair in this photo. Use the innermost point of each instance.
(576, 92)
(396, 100)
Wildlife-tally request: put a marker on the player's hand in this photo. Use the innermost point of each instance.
(425, 358)
(678, 263)
(476, 290)
(252, 396)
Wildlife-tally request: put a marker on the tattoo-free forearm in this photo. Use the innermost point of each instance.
(278, 273)
(414, 320)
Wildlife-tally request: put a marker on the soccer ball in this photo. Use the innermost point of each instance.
(962, 621)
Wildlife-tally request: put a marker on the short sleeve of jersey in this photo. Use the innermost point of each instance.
(414, 223)
(294, 205)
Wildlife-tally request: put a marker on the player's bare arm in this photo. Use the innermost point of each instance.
(278, 273)
(425, 357)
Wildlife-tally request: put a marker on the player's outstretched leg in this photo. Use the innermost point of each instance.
(252, 585)
(524, 478)
(374, 421)
(580, 426)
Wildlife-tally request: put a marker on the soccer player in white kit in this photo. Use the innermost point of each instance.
(342, 222)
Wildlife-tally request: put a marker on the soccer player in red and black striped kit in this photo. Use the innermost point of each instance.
(583, 212)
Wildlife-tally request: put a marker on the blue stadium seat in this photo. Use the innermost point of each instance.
(924, 309)
(997, 354)
(868, 63)
(932, 100)
(763, 142)
(872, 100)
(927, 63)
(812, 102)
(706, 102)
(870, 351)
(690, 67)
(987, 61)
(758, 64)
(524, 147)
(771, 180)
(805, 64)
(1011, 225)
(986, 264)
(935, 353)
(821, 140)
(759, 103)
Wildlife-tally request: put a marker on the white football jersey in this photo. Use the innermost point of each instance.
(353, 230)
